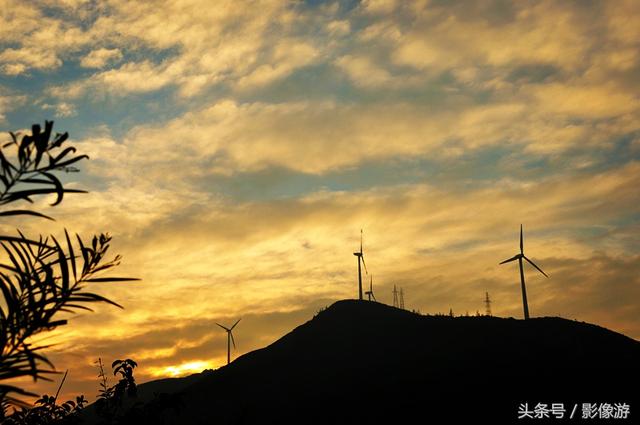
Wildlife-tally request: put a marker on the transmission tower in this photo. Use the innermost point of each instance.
(395, 296)
(487, 304)
(401, 299)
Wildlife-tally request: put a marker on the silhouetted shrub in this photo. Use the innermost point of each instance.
(110, 399)
(112, 408)
(46, 411)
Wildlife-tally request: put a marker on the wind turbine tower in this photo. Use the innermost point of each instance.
(487, 304)
(230, 339)
(520, 257)
(360, 256)
(369, 293)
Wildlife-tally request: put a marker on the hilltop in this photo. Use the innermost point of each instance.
(365, 362)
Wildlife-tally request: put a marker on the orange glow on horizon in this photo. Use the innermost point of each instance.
(181, 369)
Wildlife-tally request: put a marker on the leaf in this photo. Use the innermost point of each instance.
(90, 297)
(65, 152)
(41, 140)
(85, 256)
(13, 389)
(57, 323)
(34, 180)
(24, 212)
(24, 144)
(111, 279)
(68, 162)
(12, 257)
(79, 307)
(72, 257)
(64, 268)
(26, 194)
(23, 240)
(59, 139)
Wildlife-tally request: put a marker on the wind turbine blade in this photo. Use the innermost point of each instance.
(233, 341)
(374, 297)
(234, 325)
(521, 243)
(360, 241)
(515, 257)
(363, 263)
(371, 284)
(534, 265)
(223, 327)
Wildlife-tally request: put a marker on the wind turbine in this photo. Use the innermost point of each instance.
(519, 257)
(369, 293)
(360, 256)
(230, 339)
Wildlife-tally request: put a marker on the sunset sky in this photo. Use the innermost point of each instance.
(238, 147)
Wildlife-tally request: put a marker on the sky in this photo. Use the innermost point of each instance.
(238, 147)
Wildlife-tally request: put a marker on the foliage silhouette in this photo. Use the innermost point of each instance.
(46, 411)
(19, 178)
(41, 278)
(110, 399)
(113, 409)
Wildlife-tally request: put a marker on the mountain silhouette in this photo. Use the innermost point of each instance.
(366, 362)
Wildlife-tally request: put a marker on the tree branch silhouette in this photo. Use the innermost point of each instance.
(40, 279)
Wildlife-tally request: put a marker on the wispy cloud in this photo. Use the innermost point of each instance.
(100, 57)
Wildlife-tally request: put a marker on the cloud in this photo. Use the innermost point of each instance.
(99, 58)
(258, 247)
(242, 137)
(407, 45)
(287, 56)
(209, 44)
(62, 109)
(362, 71)
(439, 36)
(40, 41)
(601, 101)
(14, 68)
(17, 61)
(379, 6)
(9, 102)
(20, 18)
(231, 137)
(339, 28)
(131, 77)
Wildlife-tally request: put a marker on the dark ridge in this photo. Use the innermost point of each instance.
(365, 362)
